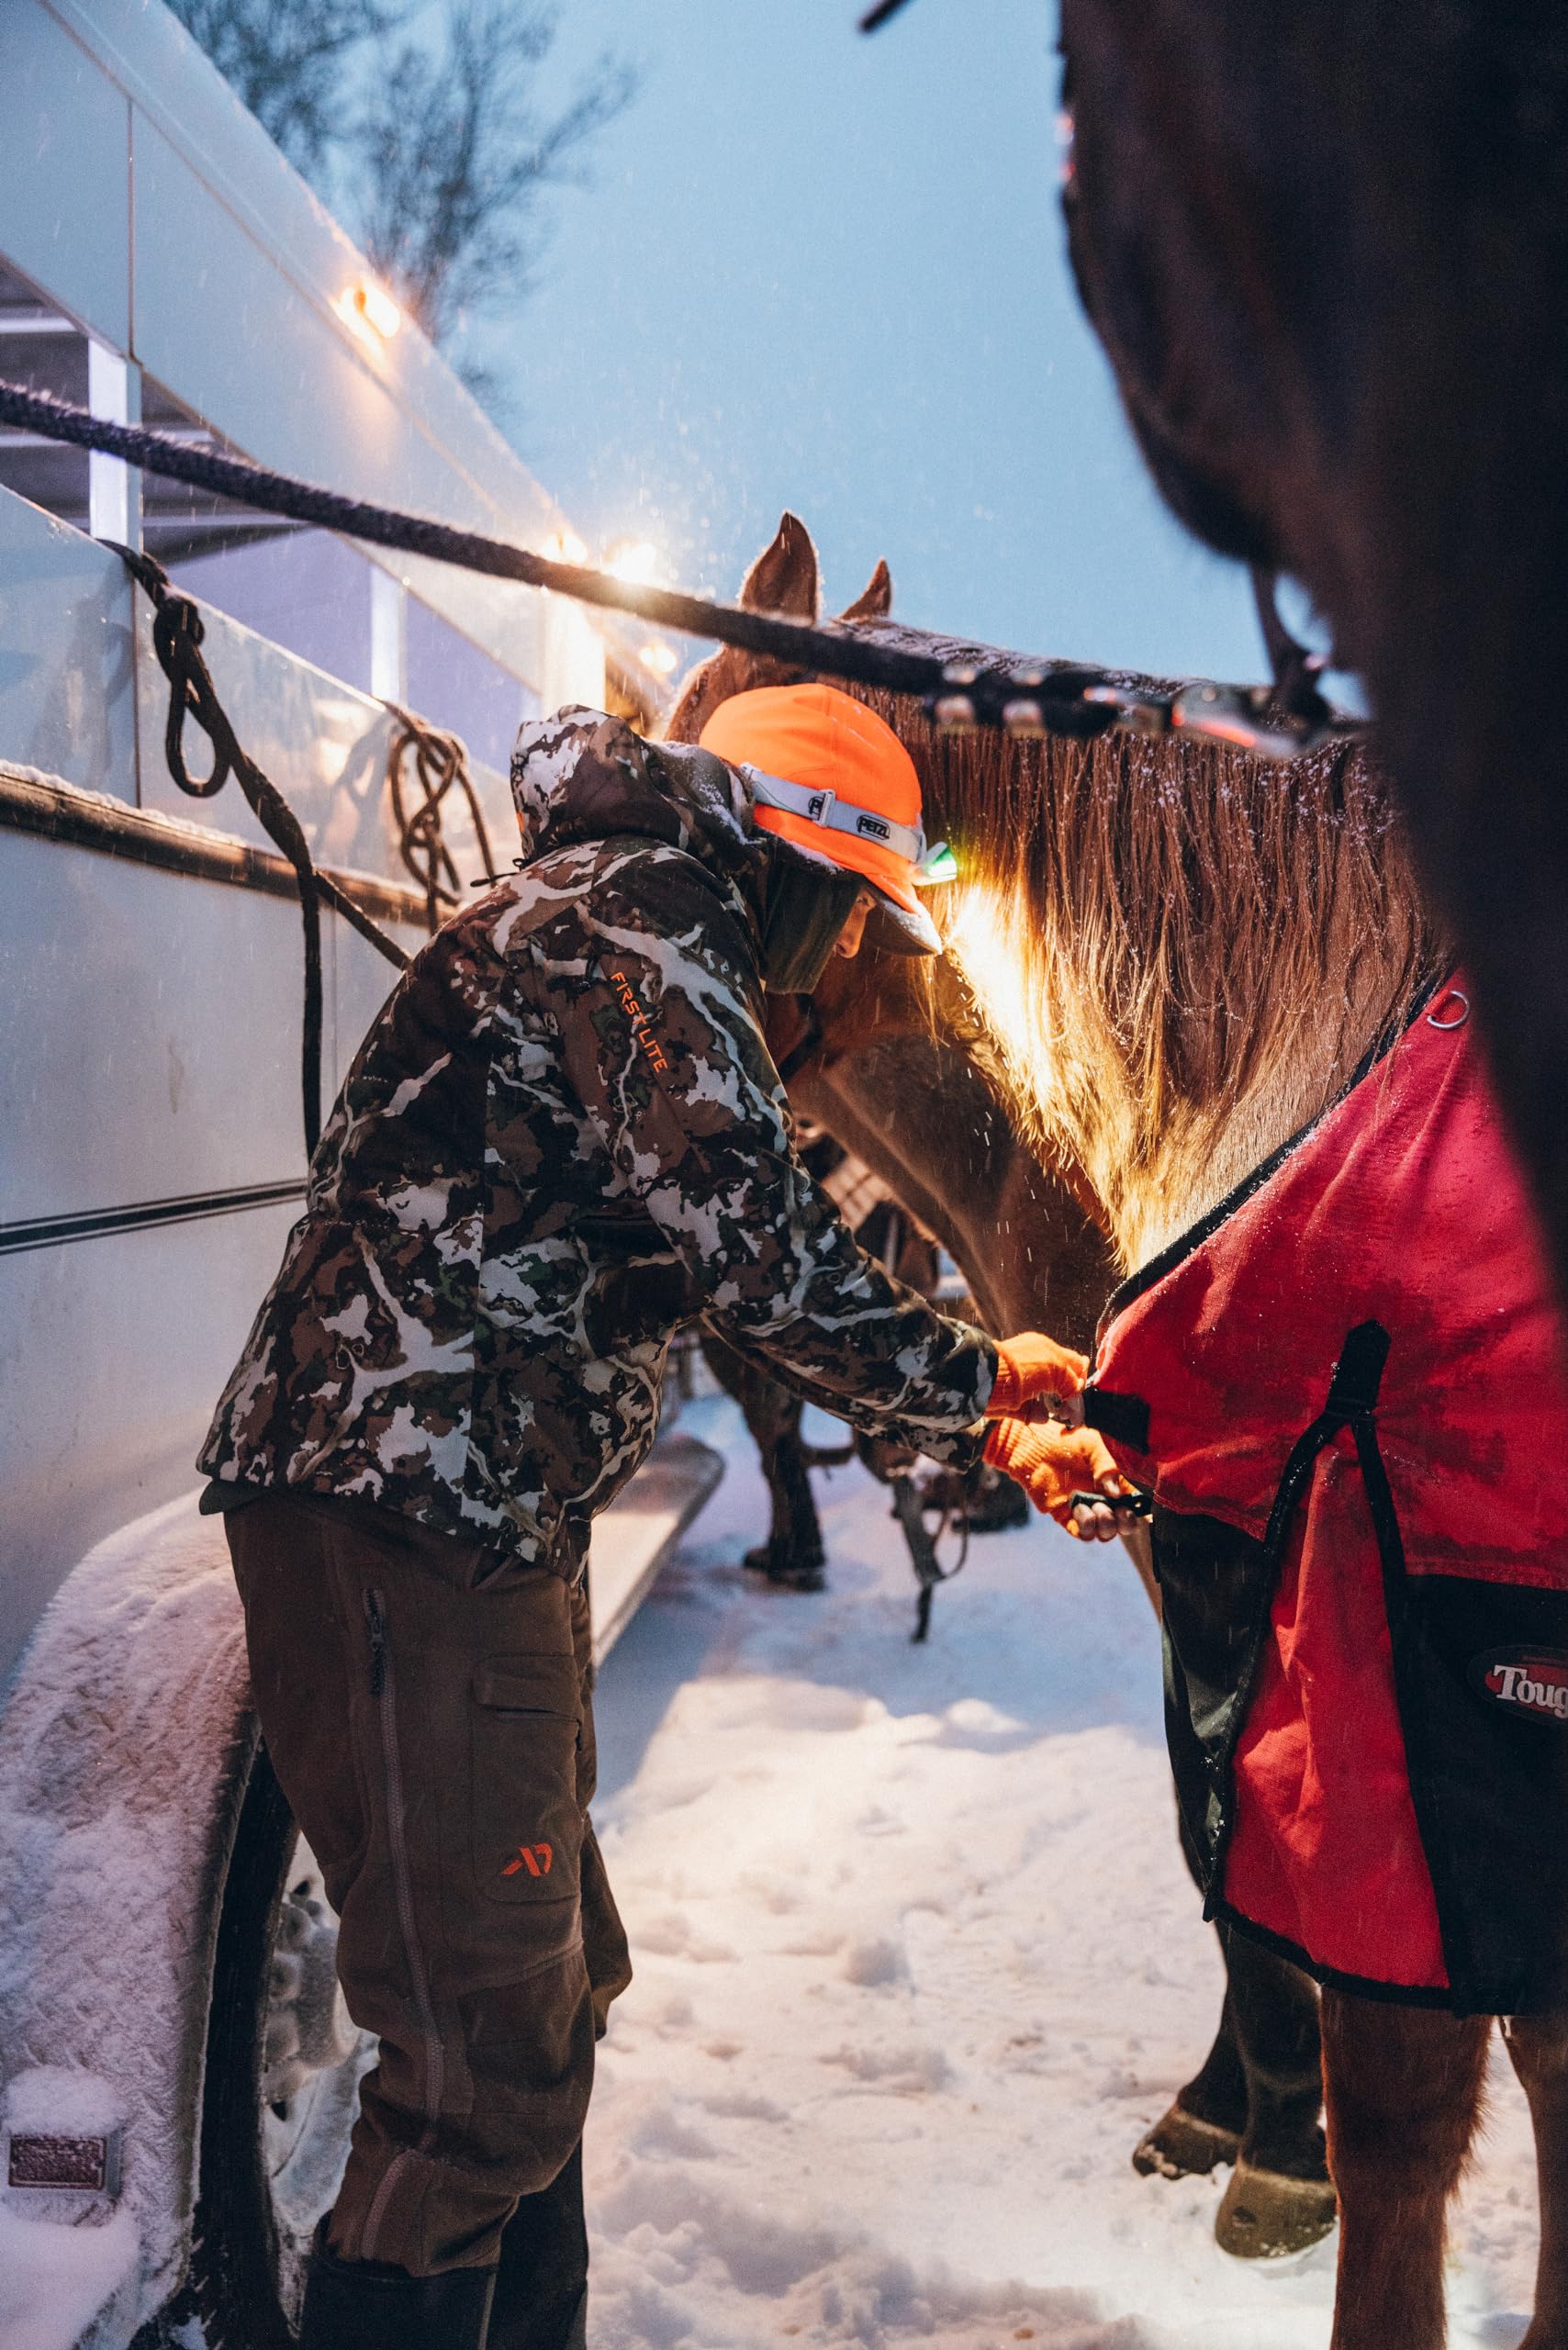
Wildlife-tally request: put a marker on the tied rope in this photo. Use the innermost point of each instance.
(440, 767)
(909, 1503)
(177, 633)
(982, 687)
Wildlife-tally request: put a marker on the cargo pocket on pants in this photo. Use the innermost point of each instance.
(527, 1823)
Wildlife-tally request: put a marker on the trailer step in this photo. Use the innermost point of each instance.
(636, 1535)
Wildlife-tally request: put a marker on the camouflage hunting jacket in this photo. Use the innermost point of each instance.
(562, 1137)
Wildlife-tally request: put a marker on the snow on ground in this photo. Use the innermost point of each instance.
(917, 1964)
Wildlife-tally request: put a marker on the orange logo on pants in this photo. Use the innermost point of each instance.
(534, 1858)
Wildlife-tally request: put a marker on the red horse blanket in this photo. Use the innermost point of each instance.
(1345, 1387)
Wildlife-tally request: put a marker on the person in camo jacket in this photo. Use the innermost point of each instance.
(562, 1138)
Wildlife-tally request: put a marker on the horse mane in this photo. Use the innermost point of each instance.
(1175, 953)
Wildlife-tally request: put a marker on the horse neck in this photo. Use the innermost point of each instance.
(1209, 1145)
(926, 1119)
(1179, 961)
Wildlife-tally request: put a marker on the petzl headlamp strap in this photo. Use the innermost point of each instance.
(818, 806)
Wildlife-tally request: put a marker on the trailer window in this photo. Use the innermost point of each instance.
(47, 351)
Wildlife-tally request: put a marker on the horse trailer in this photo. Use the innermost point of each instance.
(177, 2071)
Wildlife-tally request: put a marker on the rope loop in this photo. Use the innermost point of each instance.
(177, 633)
(440, 767)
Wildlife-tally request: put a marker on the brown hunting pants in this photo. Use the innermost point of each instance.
(427, 1710)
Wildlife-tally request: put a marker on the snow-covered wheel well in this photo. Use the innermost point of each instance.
(125, 1743)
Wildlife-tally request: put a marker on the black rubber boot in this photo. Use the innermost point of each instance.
(542, 2284)
(369, 2305)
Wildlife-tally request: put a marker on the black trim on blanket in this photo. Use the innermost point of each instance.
(1333, 1978)
(1187, 1242)
(100, 1223)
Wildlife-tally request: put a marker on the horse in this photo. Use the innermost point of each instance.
(1166, 958)
(903, 1077)
(1324, 254)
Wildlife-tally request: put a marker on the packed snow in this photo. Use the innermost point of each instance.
(917, 1964)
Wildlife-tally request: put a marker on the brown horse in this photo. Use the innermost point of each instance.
(928, 1111)
(1325, 249)
(1166, 959)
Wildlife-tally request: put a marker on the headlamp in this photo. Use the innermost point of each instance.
(936, 866)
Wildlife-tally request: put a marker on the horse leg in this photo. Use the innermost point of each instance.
(1403, 2090)
(795, 1555)
(1254, 2101)
(1539, 2047)
(792, 1554)
(1279, 2199)
(1202, 2127)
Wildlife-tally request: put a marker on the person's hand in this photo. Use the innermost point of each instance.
(1052, 1465)
(1036, 1380)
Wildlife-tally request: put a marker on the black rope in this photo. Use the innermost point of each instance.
(441, 765)
(909, 1508)
(177, 633)
(875, 19)
(1296, 671)
(983, 687)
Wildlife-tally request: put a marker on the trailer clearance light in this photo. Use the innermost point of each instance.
(634, 560)
(368, 305)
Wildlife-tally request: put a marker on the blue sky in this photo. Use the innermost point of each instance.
(827, 272)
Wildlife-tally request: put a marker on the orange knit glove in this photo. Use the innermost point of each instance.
(1052, 1464)
(1034, 1375)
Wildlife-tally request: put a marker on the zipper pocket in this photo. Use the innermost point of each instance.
(383, 1692)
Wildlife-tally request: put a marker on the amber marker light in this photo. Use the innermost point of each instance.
(370, 310)
(634, 560)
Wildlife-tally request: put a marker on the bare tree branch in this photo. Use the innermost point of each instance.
(441, 164)
(285, 60)
(456, 156)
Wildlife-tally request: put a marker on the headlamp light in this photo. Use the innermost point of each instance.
(936, 866)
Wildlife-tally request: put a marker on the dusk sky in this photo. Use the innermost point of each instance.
(827, 272)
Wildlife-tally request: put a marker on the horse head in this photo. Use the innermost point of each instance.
(1325, 254)
(887, 1058)
(874, 996)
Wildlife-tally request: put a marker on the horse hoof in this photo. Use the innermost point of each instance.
(1182, 2146)
(1266, 2216)
(784, 1572)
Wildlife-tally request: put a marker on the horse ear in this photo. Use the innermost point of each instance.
(784, 577)
(875, 601)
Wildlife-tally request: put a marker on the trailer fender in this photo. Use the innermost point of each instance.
(126, 1740)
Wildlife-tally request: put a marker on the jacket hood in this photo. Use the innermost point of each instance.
(581, 776)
